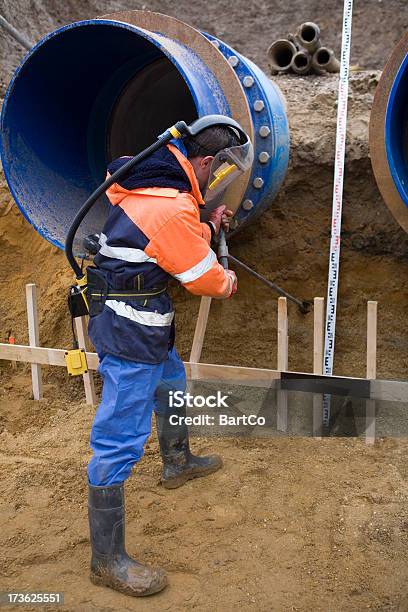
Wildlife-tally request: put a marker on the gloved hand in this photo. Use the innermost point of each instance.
(218, 216)
(234, 281)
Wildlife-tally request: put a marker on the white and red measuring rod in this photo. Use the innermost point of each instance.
(334, 258)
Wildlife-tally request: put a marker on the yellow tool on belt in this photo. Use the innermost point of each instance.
(76, 362)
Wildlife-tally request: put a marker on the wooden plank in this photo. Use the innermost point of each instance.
(282, 396)
(386, 390)
(198, 340)
(43, 356)
(318, 348)
(282, 334)
(34, 338)
(200, 329)
(252, 377)
(371, 369)
(80, 326)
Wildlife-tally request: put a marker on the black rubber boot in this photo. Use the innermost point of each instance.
(179, 464)
(111, 566)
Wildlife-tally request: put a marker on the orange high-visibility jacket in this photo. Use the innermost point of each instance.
(178, 242)
(154, 232)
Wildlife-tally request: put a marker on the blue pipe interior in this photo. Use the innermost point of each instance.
(94, 90)
(396, 131)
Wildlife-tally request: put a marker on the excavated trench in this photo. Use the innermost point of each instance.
(288, 244)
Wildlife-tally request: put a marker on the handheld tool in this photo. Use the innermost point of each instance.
(222, 249)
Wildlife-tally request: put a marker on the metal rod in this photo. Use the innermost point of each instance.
(20, 38)
(303, 305)
(222, 249)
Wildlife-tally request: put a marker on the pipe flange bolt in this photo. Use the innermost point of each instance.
(259, 105)
(258, 182)
(263, 157)
(247, 204)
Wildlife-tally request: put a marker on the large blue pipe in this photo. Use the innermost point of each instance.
(396, 130)
(389, 133)
(94, 90)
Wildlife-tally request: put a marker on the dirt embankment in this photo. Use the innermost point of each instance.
(289, 244)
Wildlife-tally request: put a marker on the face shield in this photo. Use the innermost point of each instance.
(227, 166)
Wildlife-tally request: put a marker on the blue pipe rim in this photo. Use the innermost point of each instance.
(397, 161)
(272, 181)
(23, 64)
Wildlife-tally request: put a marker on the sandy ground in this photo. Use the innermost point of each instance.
(290, 523)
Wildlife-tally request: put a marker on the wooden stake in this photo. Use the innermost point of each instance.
(198, 339)
(318, 347)
(371, 368)
(200, 329)
(318, 335)
(80, 326)
(282, 334)
(282, 396)
(34, 338)
(372, 340)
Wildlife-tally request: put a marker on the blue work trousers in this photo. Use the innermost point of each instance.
(123, 421)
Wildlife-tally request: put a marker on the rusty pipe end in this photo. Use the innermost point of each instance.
(280, 55)
(324, 59)
(308, 35)
(301, 62)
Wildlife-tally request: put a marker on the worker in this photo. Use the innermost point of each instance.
(153, 232)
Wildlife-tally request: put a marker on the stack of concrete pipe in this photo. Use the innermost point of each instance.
(302, 53)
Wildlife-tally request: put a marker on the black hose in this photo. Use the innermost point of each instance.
(163, 139)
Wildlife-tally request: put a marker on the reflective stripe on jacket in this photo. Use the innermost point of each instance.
(156, 232)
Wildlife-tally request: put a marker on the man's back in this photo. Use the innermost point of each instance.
(153, 231)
